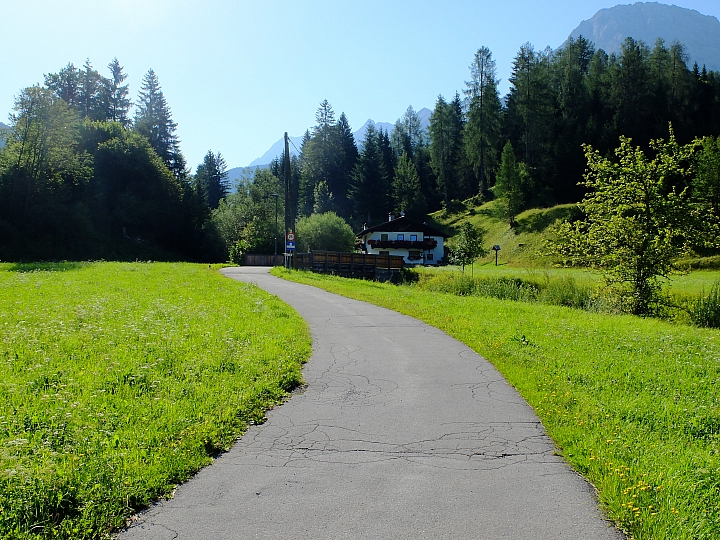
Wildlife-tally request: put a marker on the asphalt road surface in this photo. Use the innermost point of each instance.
(402, 432)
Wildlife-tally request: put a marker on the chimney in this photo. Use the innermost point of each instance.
(391, 216)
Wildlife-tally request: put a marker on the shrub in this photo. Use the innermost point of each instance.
(326, 231)
(706, 311)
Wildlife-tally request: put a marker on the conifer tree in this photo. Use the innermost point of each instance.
(90, 93)
(211, 179)
(406, 189)
(512, 181)
(65, 84)
(369, 190)
(446, 128)
(347, 158)
(117, 102)
(482, 131)
(153, 120)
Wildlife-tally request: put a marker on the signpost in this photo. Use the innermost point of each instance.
(496, 248)
(289, 247)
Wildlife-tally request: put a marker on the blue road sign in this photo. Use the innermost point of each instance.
(290, 246)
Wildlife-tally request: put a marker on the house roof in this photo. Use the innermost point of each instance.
(403, 224)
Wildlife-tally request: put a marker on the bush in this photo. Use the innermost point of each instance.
(325, 231)
(706, 311)
(566, 292)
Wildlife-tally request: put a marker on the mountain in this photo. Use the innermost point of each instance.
(241, 173)
(360, 133)
(648, 21)
(277, 149)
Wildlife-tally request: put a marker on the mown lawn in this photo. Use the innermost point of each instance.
(122, 379)
(633, 404)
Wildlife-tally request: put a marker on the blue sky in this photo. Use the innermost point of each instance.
(237, 74)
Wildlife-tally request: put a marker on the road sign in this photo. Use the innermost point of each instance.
(290, 237)
(290, 246)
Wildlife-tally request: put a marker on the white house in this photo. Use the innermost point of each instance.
(417, 243)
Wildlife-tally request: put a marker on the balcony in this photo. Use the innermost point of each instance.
(425, 245)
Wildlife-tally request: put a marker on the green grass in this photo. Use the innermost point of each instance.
(633, 404)
(684, 294)
(121, 380)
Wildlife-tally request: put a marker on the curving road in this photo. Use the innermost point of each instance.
(402, 432)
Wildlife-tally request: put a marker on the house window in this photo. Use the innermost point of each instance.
(429, 257)
(413, 237)
(401, 237)
(415, 256)
(383, 237)
(384, 253)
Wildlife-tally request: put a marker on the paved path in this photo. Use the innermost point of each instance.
(403, 432)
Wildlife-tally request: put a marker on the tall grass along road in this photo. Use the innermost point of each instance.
(121, 380)
(633, 404)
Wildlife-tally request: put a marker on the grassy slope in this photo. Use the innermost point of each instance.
(521, 246)
(121, 380)
(633, 404)
(521, 253)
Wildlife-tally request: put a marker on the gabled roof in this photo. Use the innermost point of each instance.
(403, 224)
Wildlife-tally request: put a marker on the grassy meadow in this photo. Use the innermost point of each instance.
(122, 379)
(633, 404)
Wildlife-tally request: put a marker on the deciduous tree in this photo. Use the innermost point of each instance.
(636, 218)
(326, 231)
(467, 245)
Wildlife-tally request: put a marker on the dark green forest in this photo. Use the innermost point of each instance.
(80, 178)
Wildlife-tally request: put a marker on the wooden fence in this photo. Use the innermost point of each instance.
(263, 260)
(357, 265)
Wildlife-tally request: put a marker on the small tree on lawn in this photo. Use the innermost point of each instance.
(467, 245)
(637, 219)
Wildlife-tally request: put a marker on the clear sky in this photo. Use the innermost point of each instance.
(237, 74)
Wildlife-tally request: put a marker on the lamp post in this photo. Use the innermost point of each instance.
(276, 217)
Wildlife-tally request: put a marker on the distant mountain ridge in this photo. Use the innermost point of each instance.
(647, 21)
(278, 148)
(2, 128)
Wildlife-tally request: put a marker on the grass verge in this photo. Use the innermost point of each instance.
(632, 404)
(120, 380)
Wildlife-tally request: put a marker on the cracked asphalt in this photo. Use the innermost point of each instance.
(402, 432)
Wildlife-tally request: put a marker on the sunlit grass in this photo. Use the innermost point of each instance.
(121, 380)
(633, 404)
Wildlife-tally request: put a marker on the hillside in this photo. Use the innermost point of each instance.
(521, 246)
(648, 21)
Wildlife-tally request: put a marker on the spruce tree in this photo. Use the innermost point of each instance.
(90, 93)
(211, 179)
(446, 129)
(65, 84)
(153, 120)
(512, 180)
(369, 190)
(117, 102)
(406, 189)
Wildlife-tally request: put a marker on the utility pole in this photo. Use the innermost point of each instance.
(288, 187)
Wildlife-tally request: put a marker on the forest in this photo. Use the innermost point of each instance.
(80, 178)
